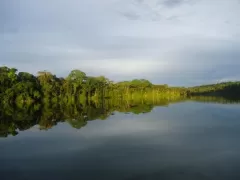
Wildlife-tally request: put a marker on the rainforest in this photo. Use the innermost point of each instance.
(27, 100)
(22, 88)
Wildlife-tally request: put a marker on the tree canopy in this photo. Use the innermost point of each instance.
(27, 88)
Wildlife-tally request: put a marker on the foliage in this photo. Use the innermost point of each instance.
(226, 89)
(45, 99)
(25, 88)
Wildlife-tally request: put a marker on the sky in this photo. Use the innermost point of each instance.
(175, 42)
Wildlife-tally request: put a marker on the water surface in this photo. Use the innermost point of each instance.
(186, 140)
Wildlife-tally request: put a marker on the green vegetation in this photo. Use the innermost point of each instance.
(225, 89)
(44, 100)
(24, 88)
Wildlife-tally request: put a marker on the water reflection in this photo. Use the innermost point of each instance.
(215, 99)
(15, 119)
(186, 140)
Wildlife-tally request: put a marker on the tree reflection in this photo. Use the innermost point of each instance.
(14, 119)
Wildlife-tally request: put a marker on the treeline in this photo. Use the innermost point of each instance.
(224, 89)
(25, 88)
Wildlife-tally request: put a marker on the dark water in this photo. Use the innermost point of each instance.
(187, 140)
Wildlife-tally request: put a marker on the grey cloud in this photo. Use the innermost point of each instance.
(139, 1)
(184, 47)
(171, 18)
(176, 3)
(200, 61)
(172, 3)
(140, 10)
(4, 16)
(131, 15)
(191, 66)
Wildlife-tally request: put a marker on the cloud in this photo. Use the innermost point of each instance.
(139, 1)
(173, 42)
(131, 15)
(172, 3)
(176, 3)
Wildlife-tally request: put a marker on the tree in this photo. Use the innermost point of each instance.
(76, 78)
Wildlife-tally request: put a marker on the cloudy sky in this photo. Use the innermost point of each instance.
(178, 42)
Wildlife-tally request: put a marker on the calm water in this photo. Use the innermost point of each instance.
(187, 140)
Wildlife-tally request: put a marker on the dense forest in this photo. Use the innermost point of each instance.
(24, 88)
(226, 89)
(27, 100)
